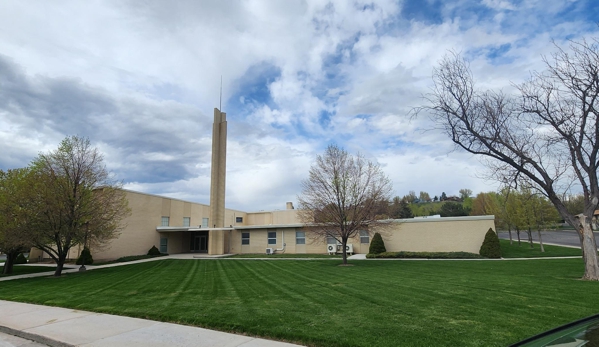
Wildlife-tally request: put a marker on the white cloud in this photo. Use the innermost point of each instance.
(140, 78)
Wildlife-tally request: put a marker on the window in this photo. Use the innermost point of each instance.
(245, 238)
(238, 219)
(300, 237)
(272, 237)
(165, 221)
(204, 222)
(186, 221)
(331, 241)
(163, 244)
(364, 237)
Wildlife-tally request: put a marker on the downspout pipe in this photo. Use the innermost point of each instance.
(283, 240)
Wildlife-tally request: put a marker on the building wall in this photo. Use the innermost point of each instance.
(450, 234)
(259, 242)
(272, 217)
(139, 235)
(147, 211)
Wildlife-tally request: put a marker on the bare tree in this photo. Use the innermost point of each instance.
(548, 135)
(74, 201)
(342, 194)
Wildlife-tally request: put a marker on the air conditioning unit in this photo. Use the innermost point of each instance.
(270, 251)
(349, 248)
(332, 248)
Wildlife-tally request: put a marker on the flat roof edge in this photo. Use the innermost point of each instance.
(439, 219)
(269, 226)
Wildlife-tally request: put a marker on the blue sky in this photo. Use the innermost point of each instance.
(140, 79)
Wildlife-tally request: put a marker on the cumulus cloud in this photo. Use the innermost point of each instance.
(140, 78)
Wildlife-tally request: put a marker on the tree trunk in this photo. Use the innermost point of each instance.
(509, 230)
(60, 265)
(9, 263)
(518, 234)
(541, 241)
(530, 238)
(589, 249)
(343, 244)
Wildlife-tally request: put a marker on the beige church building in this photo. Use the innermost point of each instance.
(175, 226)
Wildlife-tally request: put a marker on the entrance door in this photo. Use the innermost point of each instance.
(199, 242)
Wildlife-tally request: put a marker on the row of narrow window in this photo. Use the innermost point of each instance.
(300, 238)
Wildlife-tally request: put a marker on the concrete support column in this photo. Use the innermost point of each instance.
(216, 242)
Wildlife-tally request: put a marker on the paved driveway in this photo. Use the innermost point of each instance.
(566, 238)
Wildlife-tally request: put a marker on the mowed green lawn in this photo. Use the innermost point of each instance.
(524, 251)
(23, 270)
(318, 303)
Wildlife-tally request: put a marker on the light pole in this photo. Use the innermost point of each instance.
(82, 268)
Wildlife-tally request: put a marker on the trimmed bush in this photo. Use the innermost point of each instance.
(85, 255)
(490, 247)
(153, 251)
(425, 255)
(20, 259)
(377, 245)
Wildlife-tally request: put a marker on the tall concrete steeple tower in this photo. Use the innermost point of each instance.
(216, 237)
(219, 166)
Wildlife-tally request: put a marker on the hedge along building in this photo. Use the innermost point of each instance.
(177, 226)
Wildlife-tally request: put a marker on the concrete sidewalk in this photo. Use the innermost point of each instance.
(55, 326)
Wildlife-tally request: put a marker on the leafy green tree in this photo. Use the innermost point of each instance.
(443, 197)
(14, 220)
(465, 193)
(484, 204)
(411, 197)
(574, 203)
(404, 210)
(452, 209)
(75, 201)
(394, 208)
(424, 197)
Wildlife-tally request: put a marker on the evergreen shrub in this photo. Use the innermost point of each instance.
(377, 245)
(20, 259)
(490, 247)
(154, 251)
(87, 255)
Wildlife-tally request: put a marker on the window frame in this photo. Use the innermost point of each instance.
(164, 219)
(238, 219)
(164, 245)
(205, 222)
(245, 238)
(300, 240)
(271, 240)
(364, 234)
(188, 220)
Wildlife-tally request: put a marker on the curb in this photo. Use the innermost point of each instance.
(34, 337)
